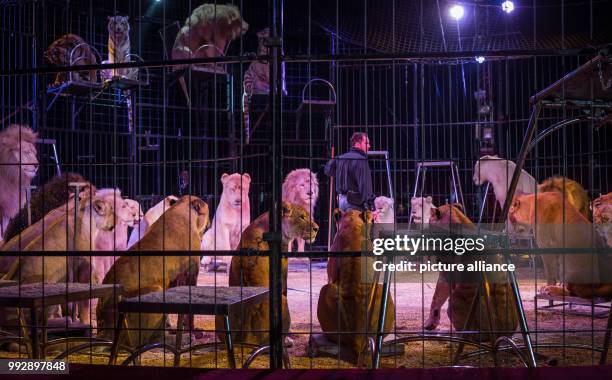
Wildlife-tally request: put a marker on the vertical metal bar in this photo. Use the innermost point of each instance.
(56, 159)
(382, 315)
(504, 215)
(484, 202)
(231, 359)
(606, 344)
(35, 113)
(34, 333)
(520, 160)
(274, 238)
(112, 360)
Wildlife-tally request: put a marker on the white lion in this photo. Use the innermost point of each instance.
(233, 215)
(18, 150)
(386, 213)
(149, 218)
(301, 187)
(499, 173)
(421, 209)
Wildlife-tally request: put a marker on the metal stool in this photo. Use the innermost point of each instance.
(191, 300)
(423, 167)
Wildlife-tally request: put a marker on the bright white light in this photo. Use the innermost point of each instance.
(507, 6)
(480, 59)
(456, 11)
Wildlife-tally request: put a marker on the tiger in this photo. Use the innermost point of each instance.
(257, 80)
(119, 45)
(58, 53)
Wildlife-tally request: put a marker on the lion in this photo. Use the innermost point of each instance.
(254, 271)
(178, 229)
(209, 24)
(420, 209)
(62, 232)
(301, 186)
(461, 293)
(555, 223)
(150, 217)
(232, 216)
(574, 192)
(19, 167)
(384, 206)
(499, 172)
(602, 217)
(127, 214)
(578, 198)
(350, 292)
(46, 198)
(444, 215)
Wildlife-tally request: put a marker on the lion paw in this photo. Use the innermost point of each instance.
(288, 342)
(432, 321)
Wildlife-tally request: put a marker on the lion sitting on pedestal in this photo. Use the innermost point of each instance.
(255, 271)
(343, 301)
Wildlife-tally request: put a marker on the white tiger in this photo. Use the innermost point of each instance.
(257, 80)
(119, 46)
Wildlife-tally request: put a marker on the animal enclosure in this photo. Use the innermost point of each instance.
(165, 198)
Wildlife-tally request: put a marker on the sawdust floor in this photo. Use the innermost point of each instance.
(412, 303)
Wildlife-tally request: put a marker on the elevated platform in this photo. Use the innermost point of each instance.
(74, 87)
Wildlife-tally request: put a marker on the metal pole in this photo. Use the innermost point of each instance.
(520, 161)
(382, 314)
(274, 237)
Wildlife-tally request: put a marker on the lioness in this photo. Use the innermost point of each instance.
(59, 235)
(463, 291)
(254, 271)
(344, 300)
(555, 223)
(178, 229)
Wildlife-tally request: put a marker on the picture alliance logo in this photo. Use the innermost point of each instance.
(412, 246)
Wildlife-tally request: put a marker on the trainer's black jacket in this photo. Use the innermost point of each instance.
(352, 173)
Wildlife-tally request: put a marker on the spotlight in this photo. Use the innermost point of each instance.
(480, 59)
(507, 6)
(456, 11)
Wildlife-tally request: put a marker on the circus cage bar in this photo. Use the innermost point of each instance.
(539, 95)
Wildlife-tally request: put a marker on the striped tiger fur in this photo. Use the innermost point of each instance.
(119, 45)
(58, 53)
(257, 81)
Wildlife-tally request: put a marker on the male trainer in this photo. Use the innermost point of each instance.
(353, 176)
